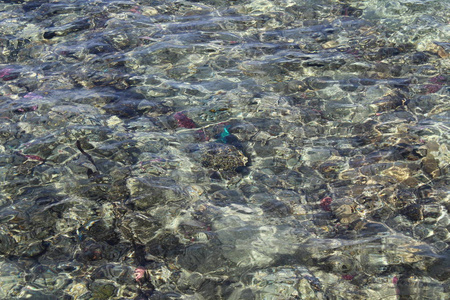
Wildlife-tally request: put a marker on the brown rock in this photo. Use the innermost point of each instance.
(440, 48)
(431, 166)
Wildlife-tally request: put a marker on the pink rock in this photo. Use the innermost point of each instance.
(325, 203)
(438, 79)
(31, 157)
(432, 88)
(183, 120)
(32, 96)
(5, 72)
(139, 274)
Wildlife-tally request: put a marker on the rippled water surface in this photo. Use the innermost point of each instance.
(224, 149)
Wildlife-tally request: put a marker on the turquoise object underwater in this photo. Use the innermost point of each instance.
(224, 134)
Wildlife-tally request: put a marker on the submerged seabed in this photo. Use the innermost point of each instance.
(224, 149)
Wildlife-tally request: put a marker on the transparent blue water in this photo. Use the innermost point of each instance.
(224, 149)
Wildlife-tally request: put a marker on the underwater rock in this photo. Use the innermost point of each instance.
(138, 227)
(218, 156)
(183, 120)
(7, 245)
(391, 101)
(419, 58)
(440, 48)
(276, 208)
(78, 25)
(440, 269)
(147, 192)
(203, 258)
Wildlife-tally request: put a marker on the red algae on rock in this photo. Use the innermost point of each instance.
(183, 120)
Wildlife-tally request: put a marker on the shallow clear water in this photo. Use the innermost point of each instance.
(224, 149)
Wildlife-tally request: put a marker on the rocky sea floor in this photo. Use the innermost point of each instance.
(224, 149)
